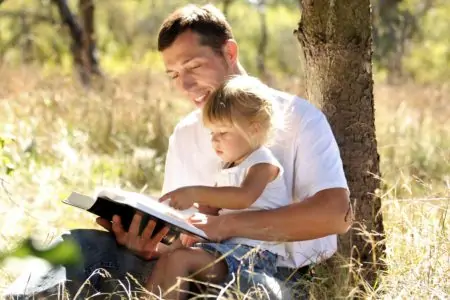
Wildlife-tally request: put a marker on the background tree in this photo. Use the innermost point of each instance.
(395, 25)
(83, 37)
(264, 37)
(335, 37)
(226, 5)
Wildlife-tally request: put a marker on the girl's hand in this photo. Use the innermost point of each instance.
(182, 198)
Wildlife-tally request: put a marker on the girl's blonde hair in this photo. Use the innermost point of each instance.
(242, 101)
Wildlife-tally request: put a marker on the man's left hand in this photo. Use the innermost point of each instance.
(214, 226)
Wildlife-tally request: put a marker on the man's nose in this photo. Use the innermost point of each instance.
(186, 83)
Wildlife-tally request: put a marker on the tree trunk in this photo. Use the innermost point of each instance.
(336, 41)
(86, 10)
(261, 56)
(27, 46)
(226, 6)
(83, 38)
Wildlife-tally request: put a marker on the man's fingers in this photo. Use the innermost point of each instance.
(104, 223)
(135, 224)
(147, 233)
(118, 230)
(199, 225)
(197, 219)
(149, 248)
(157, 238)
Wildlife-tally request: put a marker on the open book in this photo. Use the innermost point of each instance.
(109, 201)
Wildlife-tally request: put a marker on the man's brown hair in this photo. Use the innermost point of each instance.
(207, 21)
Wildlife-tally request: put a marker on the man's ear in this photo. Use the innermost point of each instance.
(230, 51)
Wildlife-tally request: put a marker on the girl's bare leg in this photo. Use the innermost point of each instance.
(182, 263)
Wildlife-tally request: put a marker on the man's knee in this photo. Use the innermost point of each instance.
(90, 238)
(98, 249)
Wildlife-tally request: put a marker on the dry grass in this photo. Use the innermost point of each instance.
(59, 137)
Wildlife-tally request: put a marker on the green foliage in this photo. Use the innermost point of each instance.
(123, 45)
(282, 56)
(7, 157)
(429, 57)
(411, 40)
(132, 43)
(66, 252)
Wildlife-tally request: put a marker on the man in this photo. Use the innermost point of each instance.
(199, 53)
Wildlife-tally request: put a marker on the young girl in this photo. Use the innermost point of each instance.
(240, 116)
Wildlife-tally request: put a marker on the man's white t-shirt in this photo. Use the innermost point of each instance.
(273, 196)
(304, 145)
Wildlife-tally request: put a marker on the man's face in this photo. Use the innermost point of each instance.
(195, 69)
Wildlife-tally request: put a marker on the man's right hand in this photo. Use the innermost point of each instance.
(143, 245)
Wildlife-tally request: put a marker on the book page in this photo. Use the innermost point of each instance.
(80, 200)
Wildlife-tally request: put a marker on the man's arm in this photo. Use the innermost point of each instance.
(327, 212)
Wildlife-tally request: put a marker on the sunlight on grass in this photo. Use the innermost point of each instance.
(56, 138)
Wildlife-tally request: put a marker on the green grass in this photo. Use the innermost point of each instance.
(57, 138)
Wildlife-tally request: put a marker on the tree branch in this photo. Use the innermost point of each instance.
(69, 20)
(83, 44)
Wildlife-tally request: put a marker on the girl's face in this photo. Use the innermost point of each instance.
(230, 143)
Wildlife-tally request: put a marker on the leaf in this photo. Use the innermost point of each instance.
(64, 253)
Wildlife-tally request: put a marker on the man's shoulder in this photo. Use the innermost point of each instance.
(189, 123)
(297, 108)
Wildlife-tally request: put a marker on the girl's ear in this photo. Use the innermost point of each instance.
(255, 129)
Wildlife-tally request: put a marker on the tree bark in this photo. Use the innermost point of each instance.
(335, 37)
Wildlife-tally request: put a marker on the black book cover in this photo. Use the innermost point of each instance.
(106, 208)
